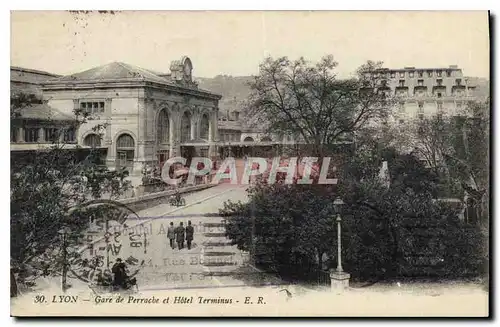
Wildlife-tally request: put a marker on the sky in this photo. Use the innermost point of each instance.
(234, 43)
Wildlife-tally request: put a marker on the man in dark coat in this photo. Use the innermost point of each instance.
(180, 235)
(189, 234)
(119, 274)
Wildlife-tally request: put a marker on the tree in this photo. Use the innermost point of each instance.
(44, 187)
(310, 102)
(457, 149)
(288, 228)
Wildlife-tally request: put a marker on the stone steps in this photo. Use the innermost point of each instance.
(220, 257)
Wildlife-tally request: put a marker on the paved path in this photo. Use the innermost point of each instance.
(211, 262)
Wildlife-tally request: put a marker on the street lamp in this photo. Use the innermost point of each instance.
(337, 207)
(63, 234)
(339, 279)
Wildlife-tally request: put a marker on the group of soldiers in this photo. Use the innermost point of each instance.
(180, 234)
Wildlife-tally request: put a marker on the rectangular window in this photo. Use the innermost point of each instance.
(51, 134)
(440, 116)
(439, 94)
(438, 73)
(401, 107)
(401, 82)
(459, 81)
(393, 75)
(429, 73)
(421, 116)
(420, 107)
(31, 135)
(92, 107)
(439, 82)
(420, 82)
(420, 73)
(402, 74)
(411, 74)
(69, 135)
(448, 73)
(13, 134)
(440, 106)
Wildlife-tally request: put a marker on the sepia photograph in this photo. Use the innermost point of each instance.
(250, 163)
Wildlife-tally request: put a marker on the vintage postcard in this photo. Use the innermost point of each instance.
(253, 163)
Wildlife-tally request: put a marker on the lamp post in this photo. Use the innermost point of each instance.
(63, 233)
(339, 279)
(337, 205)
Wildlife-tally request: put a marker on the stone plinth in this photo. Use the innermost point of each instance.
(339, 280)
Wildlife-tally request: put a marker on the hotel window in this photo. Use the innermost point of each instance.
(448, 73)
(401, 107)
(439, 94)
(459, 81)
(92, 107)
(439, 82)
(420, 73)
(420, 82)
(438, 73)
(31, 135)
(440, 116)
(401, 82)
(420, 107)
(421, 116)
(411, 74)
(393, 75)
(402, 74)
(440, 106)
(429, 73)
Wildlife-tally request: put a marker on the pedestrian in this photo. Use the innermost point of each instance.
(189, 234)
(179, 235)
(171, 235)
(119, 271)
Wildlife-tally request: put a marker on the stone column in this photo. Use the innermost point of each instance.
(20, 134)
(173, 133)
(194, 124)
(41, 135)
(107, 112)
(212, 134)
(61, 132)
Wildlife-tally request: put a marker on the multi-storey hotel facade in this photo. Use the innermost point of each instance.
(425, 92)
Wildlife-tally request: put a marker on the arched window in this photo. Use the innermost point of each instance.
(186, 127)
(204, 127)
(125, 141)
(92, 140)
(125, 151)
(162, 127)
(248, 139)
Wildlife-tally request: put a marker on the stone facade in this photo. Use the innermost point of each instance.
(425, 92)
(142, 117)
